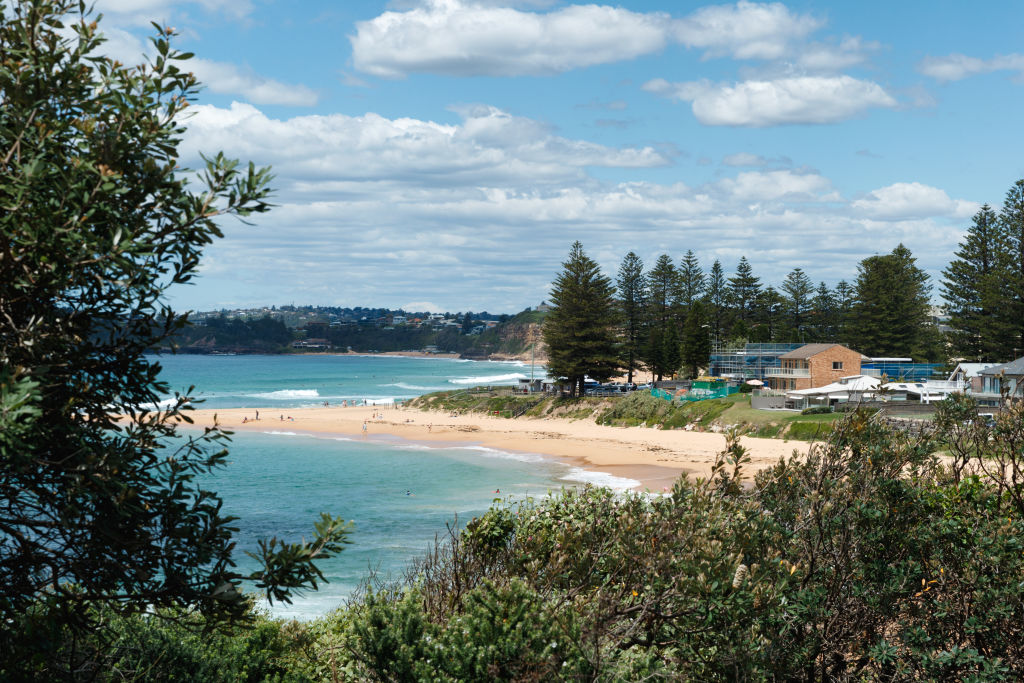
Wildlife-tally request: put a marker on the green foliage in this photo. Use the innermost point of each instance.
(797, 289)
(891, 308)
(579, 331)
(744, 288)
(816, 410)
(632, 302)
(973, 287)
(863, 561)
(101, 509)
(808, 431)
(264, 334)
(1011, 228)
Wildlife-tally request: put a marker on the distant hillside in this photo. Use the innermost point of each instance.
(509, 338)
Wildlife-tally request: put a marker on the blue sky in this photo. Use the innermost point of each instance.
(444, 154)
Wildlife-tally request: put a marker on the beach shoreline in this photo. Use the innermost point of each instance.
(653, 457)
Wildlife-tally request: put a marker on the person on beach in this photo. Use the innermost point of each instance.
(257, 414)
(364, 427)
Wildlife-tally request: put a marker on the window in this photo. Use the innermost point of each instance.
(837, 365)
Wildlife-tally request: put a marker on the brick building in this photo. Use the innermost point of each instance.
(813, 365)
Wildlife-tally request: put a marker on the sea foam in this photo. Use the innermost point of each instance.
(488, 379)
(601, 479)
(287, 394)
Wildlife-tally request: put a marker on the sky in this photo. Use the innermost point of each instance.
(444, 155)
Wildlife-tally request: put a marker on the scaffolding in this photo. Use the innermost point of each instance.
(746, 361)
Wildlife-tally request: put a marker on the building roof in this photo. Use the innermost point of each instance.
(807, 351)
(970, 369)
(1014, 367)
(846, 384)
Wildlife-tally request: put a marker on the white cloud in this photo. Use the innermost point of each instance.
(956, 67)
(902, 201)
(745, 30)
(428, 306)
(747, 159)
(804, 99)
(219, 77)
(229, 79)
(831, 58)
(479, 213)
(141, 12)
(489, 147)
(460, 39)
(773, 185)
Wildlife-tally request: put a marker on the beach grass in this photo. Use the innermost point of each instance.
(638, 409)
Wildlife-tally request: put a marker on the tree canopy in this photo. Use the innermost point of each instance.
(891, 306)
(99, 498)
(580, 330)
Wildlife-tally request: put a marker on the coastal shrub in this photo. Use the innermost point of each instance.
(816, 410)
(808, 431)
(766, 431)
(639, 407)
(173, 645)
(865, 560)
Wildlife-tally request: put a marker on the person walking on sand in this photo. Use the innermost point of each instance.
(257, 414)
(364, 427)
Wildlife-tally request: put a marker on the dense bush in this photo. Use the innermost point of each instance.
(868, 560)
(816, 410)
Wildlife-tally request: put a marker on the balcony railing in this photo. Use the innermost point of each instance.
(787, 372)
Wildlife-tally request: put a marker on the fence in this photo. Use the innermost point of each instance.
(696, 394)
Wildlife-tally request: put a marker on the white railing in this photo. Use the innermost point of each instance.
(787, 372)
(950, 386)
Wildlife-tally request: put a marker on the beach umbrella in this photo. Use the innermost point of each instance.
(755, 382)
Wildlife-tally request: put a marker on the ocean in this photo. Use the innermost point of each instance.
(399, 494)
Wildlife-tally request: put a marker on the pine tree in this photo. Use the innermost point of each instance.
(825, 314)
(663, 302)
(579, 331)
(844, 294)
(891, 307)
(767, 316)
(1011, 223)
(692, 281)
(717, 297)
(797, 289)
(743, 290)
(973, 287)
(632, 302)
(696, 342)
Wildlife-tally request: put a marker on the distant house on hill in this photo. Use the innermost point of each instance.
(813, 365)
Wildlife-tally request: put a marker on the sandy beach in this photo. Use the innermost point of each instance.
(653, 457)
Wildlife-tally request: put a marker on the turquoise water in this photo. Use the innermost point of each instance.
(278, 482)
(306, 380)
